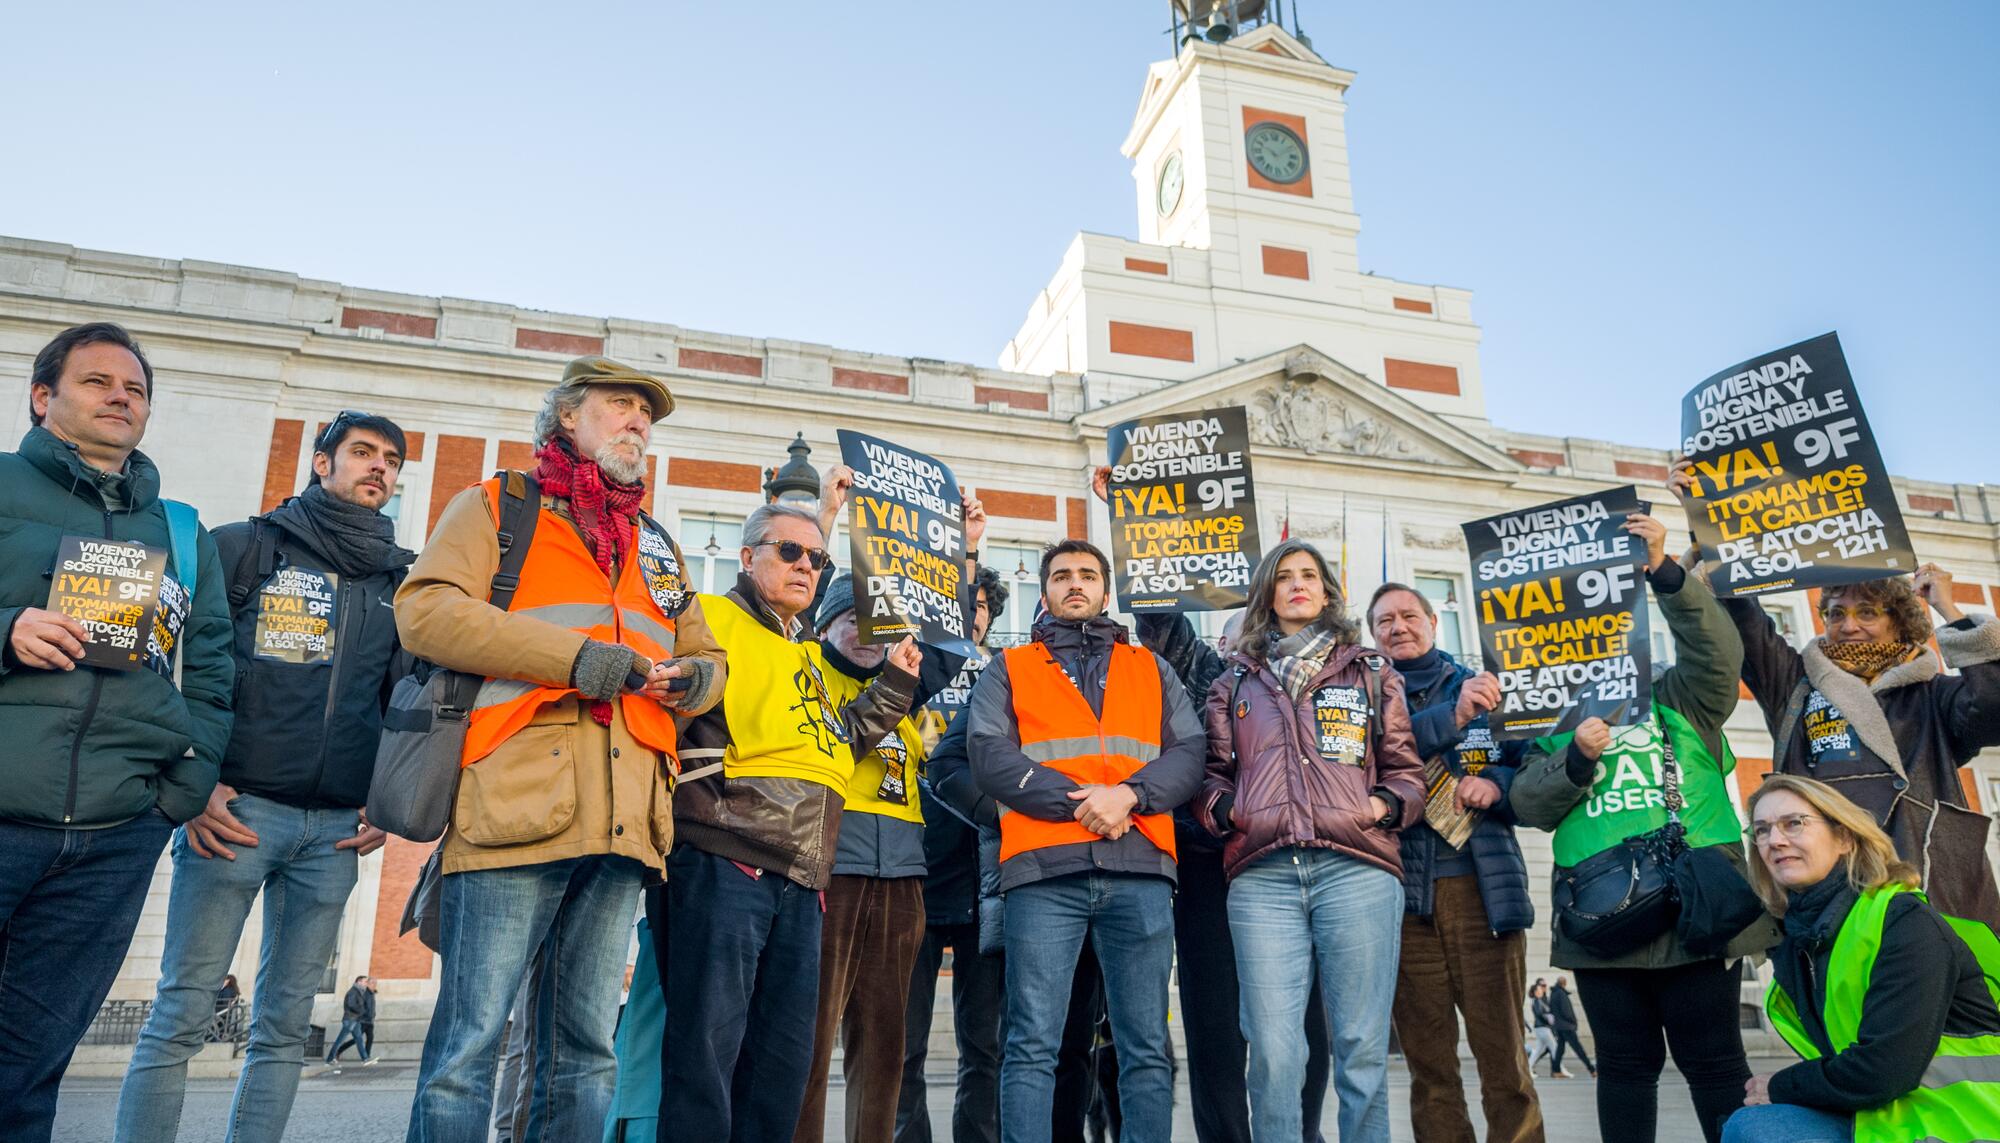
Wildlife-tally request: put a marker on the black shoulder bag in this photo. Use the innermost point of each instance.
(1624, 897)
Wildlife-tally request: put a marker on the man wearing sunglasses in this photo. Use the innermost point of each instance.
(1865, 705)
(758, 816)
(310, 589)
(565, 800)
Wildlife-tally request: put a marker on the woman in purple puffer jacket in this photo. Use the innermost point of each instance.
(1311, 770)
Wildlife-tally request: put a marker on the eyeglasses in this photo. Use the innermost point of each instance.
(1866, 613)
(791, 551)
(1791, 825)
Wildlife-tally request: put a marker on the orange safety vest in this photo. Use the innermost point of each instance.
(562, 584)
(1059, 730)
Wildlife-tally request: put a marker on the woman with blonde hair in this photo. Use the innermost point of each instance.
(1888, 1000)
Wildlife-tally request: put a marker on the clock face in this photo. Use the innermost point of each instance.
(1276, 153)
(1171, 179)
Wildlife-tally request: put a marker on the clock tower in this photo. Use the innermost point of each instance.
(1248, 243)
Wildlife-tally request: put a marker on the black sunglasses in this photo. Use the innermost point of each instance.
(790, 551)
(335, 429)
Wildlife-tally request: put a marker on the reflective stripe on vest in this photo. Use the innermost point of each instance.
(1958, 1098)
(1059, 730)
(562, 584)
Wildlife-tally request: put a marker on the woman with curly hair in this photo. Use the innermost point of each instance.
(1866, 708)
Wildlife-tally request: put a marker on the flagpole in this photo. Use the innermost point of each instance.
(1343, 546)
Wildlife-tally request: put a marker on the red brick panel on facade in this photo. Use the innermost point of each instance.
(393, 957)
(1412, 305)
(871, 382)
(1420, 376)
(1013, 398)
(720, 475)
(281, 468)
(1019, 505)
(404, 325)
(1969, 782)
(1280, 262)
(713, 362)
(416, 442)
(1078, 514)
(1923, 503)
(1638, 470)
(461, 463)
(1750, 774)
(516, 454)
(1146, 266)
(1534, 458)
(1967, 593)
(1135, 340)
(549, 341)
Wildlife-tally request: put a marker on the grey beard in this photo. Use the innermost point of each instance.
(614, 465)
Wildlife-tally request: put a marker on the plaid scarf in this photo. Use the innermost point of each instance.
(606, 512)
(1296, 658)
(1867, 660)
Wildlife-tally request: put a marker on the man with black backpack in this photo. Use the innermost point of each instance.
(311, 588)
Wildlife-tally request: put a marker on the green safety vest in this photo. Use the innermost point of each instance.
(1958, 1099)
(1628, 795)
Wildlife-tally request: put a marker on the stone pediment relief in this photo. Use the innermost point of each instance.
(1305, 412)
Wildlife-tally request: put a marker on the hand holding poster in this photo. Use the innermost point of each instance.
(1562, 613)
(112, 588)
(907, 535)
(1789, 489)
(1183, 511)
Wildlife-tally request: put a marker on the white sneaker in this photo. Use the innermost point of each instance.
(1560, 1074)
(371, 1061)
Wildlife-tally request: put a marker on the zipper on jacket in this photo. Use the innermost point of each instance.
(83, 724)
(333, 677)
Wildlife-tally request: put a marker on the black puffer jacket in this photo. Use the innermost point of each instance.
(951, 779)
(306, 733)
(1496, 855)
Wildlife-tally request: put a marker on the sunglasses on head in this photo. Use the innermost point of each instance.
(331, 434)
(791, 551)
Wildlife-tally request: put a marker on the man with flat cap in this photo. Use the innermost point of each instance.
(565, 800)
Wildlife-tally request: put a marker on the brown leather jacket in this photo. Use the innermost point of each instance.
(1270, 785)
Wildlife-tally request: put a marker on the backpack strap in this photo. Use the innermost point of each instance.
(260, 558)
(520, 512)
(1788, 723)
(183, 525)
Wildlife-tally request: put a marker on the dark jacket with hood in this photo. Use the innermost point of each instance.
(1926, 983)
(91, 747)
(1432, 683)
(787, 826)
(306, 732)
(960, 795)
(1083, 651)
(1270, 787)
(1172, 637)
(1893, 746)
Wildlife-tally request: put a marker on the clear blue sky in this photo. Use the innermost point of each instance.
(1638, 195)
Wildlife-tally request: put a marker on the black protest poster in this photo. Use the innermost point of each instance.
(112, 588)
(1183, 511)
(1562, 614)
(907, 544)
(297, 616)
(1789, 489)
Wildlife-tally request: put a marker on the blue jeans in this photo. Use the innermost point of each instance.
(69, 900)
(742, 1000)
(350, 1033)
(1291, 911)
(306, 883)
(576, 912)
(1129, 921)
(1787, 1123)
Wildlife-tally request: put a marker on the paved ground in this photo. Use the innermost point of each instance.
(373, 1105)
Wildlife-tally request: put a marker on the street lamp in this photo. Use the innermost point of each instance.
(797, 482)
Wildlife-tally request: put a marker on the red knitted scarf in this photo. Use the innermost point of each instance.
(605, 511)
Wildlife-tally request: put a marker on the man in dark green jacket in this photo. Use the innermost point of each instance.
(100, 762)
